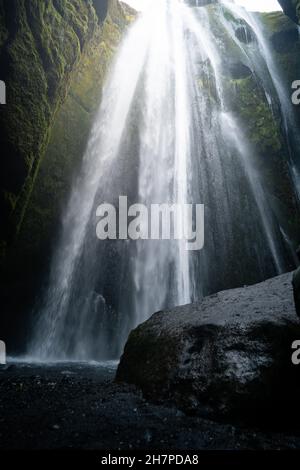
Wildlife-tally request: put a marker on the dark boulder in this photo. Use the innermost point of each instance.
(227, 356)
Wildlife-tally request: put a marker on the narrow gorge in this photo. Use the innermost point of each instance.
(128, 137)
(208, 120)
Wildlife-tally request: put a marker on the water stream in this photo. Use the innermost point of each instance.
(165, 133)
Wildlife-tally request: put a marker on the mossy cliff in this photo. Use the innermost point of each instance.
(283, 39)
(41, 42)
(68, 140)
(54, 55)
(251, 96)
(41, 46)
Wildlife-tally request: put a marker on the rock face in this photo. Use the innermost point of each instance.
(41, 46)
(226, 356)
(264, 130)
(291, 8)
(283, 37)
(69, 135)
(48, 133)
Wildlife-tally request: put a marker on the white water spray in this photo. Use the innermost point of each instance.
(163, 134)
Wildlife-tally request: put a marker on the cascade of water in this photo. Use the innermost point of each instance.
(163, 134)
(288, 116)
(234, 133)
(166, 149)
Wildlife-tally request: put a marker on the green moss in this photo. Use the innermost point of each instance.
(275, 22)
(251, 105)
(68, 140)
(41, 44)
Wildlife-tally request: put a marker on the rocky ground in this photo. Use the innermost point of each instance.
(79, 406)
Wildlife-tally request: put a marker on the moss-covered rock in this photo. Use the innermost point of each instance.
(250, 94)
(41, 47)
(284, 44)
(41, 43)
(68, 140)
(49, 116)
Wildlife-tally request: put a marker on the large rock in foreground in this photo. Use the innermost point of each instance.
(229, 355)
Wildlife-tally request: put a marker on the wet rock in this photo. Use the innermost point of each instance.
(283, 41)
(245, 34)
(229, 355)
(238, 70)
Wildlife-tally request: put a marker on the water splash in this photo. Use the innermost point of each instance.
(164, 134)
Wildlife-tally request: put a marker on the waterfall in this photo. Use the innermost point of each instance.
(164, 133)
(288, 115)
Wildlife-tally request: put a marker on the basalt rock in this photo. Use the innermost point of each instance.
(227, 356)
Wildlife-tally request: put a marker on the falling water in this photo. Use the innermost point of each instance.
(164, 133)
(275, 76)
